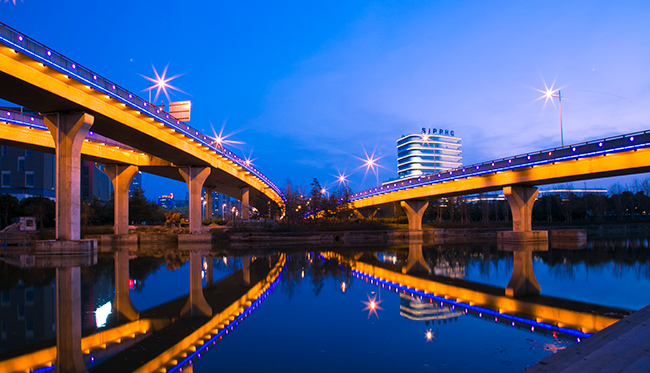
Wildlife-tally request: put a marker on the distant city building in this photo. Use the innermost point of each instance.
(136, 183)
(166, 202)
(433, 150)
(27, 173)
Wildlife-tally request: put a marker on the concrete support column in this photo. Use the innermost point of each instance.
(68, 132)
(208, 203)
(123, 308)
(523, 281)
(414, 212)
(521, 199)
(245, 204)
(415, 262)
(69, 357)
(246, 270)
(121, 177)
(195, 177)
(196, 305)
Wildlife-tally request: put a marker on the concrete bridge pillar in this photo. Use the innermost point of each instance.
(414, 212)
(246, 270)
(69, 357)
(68, 132)
(123, 308)
(196, 305)
(195, 177)
(521, 200)
(415, 262)
(121, 177)
(208, 203)
(245, 204)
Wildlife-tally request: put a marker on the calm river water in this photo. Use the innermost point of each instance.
(324, 316)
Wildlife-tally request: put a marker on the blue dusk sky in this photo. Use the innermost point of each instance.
(311, 87)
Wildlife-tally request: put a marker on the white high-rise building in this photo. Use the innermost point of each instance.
(431, 151)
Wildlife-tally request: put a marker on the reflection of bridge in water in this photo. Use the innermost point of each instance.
(537, 313)
(168, 336)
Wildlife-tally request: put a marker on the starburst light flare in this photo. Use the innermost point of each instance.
(220, 140)
(371, 164)
(372, 305)
(161, 83)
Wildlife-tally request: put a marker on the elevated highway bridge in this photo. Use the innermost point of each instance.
(74, 100)
(517, 176)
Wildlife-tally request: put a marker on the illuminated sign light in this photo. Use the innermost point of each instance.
(437, 131)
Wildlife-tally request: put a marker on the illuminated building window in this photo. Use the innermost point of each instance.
(21, 163)
(29, 153)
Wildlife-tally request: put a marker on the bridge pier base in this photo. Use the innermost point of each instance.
(196, 305)
(68, 132)
(414, 212)
(245, 203)
(123, 308)
(521, 200)
(121, 177)
(195, 177)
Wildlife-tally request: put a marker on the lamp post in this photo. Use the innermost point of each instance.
(550, 93)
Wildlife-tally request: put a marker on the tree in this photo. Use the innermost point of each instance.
(41, 208)
(9, 208)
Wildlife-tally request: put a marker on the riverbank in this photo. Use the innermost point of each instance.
(623, 346)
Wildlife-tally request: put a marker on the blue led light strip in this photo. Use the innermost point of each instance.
(94, 83)
(482, 310)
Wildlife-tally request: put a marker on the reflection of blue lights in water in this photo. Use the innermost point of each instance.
(229, 328)
(101, 314)
(514, 321)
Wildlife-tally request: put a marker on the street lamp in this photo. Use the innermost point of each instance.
(549, 94)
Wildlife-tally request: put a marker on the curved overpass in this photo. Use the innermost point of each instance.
(37, 77)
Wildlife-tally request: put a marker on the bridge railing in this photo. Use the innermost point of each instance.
(48, 57)
(603, 146)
